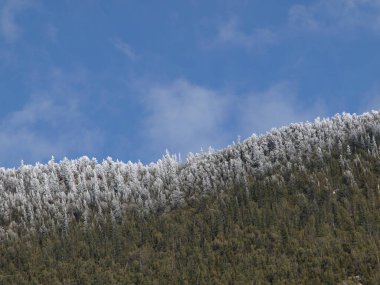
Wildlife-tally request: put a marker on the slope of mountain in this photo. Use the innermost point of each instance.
(300, 204)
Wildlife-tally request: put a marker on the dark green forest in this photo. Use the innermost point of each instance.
(312, 222)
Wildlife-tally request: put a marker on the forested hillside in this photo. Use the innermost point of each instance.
(299, 205)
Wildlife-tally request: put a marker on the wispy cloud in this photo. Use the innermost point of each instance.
(51, 32)
(230, 33)
(329, 16)
(8, 13)
(277, 106)
(184, 117)
(50, 123)
(125, 48)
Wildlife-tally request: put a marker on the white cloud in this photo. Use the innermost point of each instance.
(185, 117)
(229, 33)
(329, 16)
(275, 107)
(50, 123)
(8, 13)
(125, 48)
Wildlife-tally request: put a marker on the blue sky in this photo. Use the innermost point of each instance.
(128, 79)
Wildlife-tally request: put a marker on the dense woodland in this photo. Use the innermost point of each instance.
(299, 205)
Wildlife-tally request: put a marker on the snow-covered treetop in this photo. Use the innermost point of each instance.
(54, 192)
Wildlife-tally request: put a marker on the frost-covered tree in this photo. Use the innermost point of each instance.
(58, 192)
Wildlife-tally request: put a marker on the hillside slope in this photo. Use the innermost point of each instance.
(300, 204)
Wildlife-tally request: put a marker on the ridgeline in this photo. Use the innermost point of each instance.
(299, 205)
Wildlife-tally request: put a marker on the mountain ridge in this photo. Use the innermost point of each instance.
(299, 205)
(71, 186)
